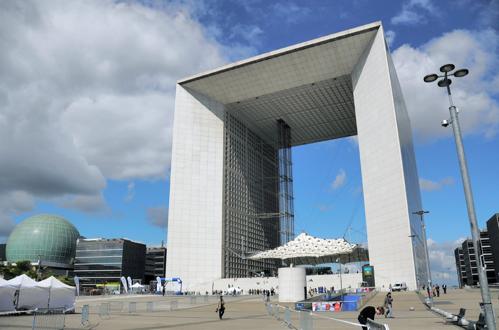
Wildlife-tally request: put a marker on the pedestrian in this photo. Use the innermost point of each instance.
(434, 291)
(268, 296)
(444, 287)
(390, 288)
(389, 305)
(438, 290)
(368, 313)
(221, 308)
(164, 289)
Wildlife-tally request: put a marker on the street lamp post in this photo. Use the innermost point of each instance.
(341, 279)
(475, 233)
(421, 214)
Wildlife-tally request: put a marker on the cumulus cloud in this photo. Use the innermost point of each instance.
(290, 11)
(85, 203)
(429, 185)
(442, 261)
(158, 216)
(390, 37)
(87, 94)
(339, 180)
(415, 12)
(475, 95)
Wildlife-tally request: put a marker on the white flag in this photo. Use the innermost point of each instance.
(77, 283)
(158, 284)
(129, 282)
(123, 282)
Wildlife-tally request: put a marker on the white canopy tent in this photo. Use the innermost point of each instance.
(31, 296)
(7, 292)
(60, 295)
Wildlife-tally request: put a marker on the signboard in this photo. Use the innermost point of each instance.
(327, 306)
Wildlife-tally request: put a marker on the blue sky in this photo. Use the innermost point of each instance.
(88, 101)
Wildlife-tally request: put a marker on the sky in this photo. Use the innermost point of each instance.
(87, 97)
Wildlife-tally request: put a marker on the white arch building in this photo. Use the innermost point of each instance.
(226, 184)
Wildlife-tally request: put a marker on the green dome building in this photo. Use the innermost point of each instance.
(45, 237)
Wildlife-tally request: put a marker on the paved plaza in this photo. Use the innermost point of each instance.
(247, 312)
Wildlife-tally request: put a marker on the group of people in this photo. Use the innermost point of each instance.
(434, 291)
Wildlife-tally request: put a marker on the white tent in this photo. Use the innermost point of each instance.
(60, 295)
(7, 292)
(137, 286)
(31, 296)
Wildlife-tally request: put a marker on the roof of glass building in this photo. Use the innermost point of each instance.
(45, 237)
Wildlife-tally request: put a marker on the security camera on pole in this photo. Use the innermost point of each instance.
(475, 233)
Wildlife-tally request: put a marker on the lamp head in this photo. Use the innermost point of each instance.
(430, 78)
(444, 82)
(447, 68)
(461, 73)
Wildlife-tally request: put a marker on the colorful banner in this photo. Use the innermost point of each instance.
(327, 306)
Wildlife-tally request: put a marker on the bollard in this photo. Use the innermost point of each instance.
(150, 306)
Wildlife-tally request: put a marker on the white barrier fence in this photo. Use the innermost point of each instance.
(306, 319)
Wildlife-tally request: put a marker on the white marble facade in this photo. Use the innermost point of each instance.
(339, 85)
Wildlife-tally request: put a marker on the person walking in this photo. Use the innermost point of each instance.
(221, 308)
(388, 305)
(164, 289)
(368, 313)
(438, 290)
(444, 287)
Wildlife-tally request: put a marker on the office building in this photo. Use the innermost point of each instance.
(155, 263)
(2, 253)
(493, 229)
(231, 191)
(99, 261)
(468, 273)
(460, 266)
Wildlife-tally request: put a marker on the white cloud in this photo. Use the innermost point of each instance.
(415, 12)
(87, 93)
(85, 203)
(130, 192)
(290, 11)
(442, 260)
(429, 185)
(339, 180)
(158, 216)
(390, 37)
(474, 95)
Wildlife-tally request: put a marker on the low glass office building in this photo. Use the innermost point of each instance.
(47, 238)
(102, 261)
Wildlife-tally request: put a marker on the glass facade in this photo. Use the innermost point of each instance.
(101, 261)
(44, 237)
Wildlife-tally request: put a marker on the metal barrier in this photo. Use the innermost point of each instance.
(104, 310)
(306, 321)
(173, 305)
(206, 299)
(276, 311)
(44, 318)
(371, 325)
(132, 307)
(85, 311)
(150, 306)
(287, 317)
(192, 300)
(116, 306)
